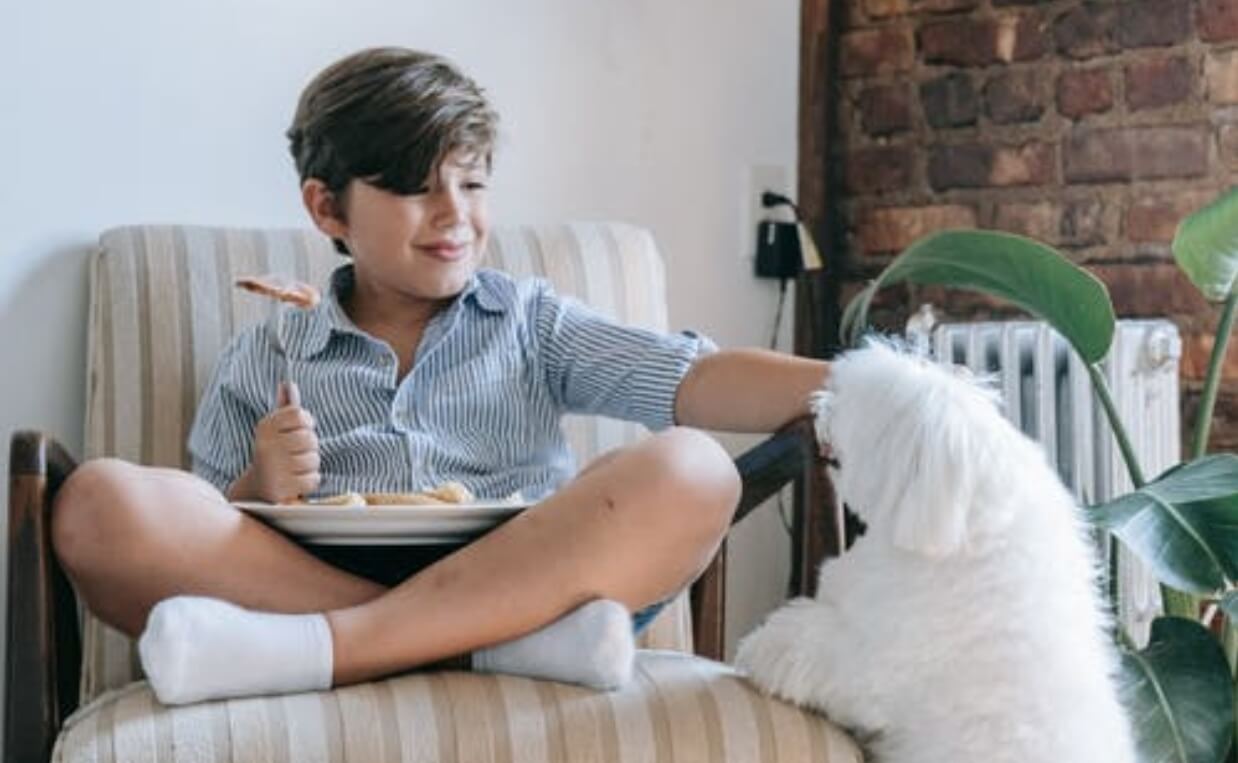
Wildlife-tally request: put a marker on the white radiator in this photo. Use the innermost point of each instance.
(1048, 395)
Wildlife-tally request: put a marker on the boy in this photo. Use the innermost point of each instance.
(417, 368)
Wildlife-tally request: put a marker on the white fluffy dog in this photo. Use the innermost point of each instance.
(965, 624)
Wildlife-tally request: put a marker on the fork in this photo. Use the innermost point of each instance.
(276, 333)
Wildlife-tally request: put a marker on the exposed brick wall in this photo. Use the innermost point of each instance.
(1092, 126)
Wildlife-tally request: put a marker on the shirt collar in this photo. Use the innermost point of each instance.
(309, 331)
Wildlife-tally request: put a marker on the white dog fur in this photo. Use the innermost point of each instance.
(965, 624)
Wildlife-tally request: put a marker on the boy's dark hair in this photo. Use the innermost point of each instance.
(388, 116)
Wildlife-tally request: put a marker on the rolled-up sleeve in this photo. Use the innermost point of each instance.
(221, 440)
(595, 365)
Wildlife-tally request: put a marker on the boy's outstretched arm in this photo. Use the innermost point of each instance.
(747, 390)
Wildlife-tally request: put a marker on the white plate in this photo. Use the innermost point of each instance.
(383, 525)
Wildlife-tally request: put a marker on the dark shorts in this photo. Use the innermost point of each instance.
(391, 565)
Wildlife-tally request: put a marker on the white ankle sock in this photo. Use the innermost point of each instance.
(195, 648)
(592, 645)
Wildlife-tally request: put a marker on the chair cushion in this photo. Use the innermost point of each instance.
(678, 708)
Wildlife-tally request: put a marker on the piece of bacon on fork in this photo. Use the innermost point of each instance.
(285, 291)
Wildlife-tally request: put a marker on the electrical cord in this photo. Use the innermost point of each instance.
(773, 345)
(782, 299)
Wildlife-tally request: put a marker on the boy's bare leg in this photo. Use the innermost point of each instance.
(130, 536)
(636, 528)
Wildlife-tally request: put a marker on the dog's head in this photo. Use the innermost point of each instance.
(923, 453)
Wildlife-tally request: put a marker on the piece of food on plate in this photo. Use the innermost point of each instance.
(282, 288)
(449, 493)
(343, 499)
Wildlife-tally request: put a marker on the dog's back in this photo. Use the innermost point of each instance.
(975, 587)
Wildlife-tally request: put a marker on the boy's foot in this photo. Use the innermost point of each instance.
(196, 648)
(592, 645)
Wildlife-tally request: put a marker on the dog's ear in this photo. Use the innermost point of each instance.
(944, 480)
(920, 448)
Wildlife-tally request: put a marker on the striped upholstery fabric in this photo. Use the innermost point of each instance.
(679, 709)
(162, 308)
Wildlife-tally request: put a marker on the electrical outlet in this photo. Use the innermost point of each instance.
(760, 178)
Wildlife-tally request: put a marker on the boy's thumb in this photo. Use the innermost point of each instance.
(288, 394)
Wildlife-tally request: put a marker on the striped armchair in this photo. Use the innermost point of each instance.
(162, 308)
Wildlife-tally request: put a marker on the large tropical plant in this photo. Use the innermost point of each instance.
(1183, 524)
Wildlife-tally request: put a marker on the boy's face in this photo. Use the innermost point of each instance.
(424, 245)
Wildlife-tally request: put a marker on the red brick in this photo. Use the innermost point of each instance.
(1150, 223)
(1153, 23)
(980, 165)
(1092, 156)
(1021, 38)
(1154, 219)
(892, 229)
(1089, 91)
(877, 51)
(1039, 220)
(1217, 20)
(1221, 75)
(1012, 97)
(1227, 145)
(1158, 81)
(1197, 353)
(879, 169)
(949, 101)
(966, 41)
(960, 42)
(1223, 435)
(978, 42)
(884, 8)
(1029, 164)
(1086, 31)
(943, 6)
(963, 166)
(885, 109)
(1082, 223)
(1150, 291)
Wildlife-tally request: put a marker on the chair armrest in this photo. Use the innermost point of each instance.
(789, 455)
(43, 644)
(767, 468)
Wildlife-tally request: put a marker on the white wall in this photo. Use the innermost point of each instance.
(152, 111)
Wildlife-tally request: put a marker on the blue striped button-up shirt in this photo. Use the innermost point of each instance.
(491, 377)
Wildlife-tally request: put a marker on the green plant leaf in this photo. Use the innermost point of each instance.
(1020, 270)
(1206, 246)
(1178, 695)
(1183, 524)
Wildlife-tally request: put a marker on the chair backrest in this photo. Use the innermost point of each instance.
(163, 307)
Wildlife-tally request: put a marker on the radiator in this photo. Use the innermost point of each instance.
(1048, 395)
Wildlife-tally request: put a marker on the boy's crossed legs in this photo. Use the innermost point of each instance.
(634, 527)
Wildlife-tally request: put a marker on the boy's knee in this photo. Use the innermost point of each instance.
(698, 470)
(87, 501)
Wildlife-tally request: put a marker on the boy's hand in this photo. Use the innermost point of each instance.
(285, 464)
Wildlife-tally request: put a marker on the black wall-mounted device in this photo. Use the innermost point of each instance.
(778, 250)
